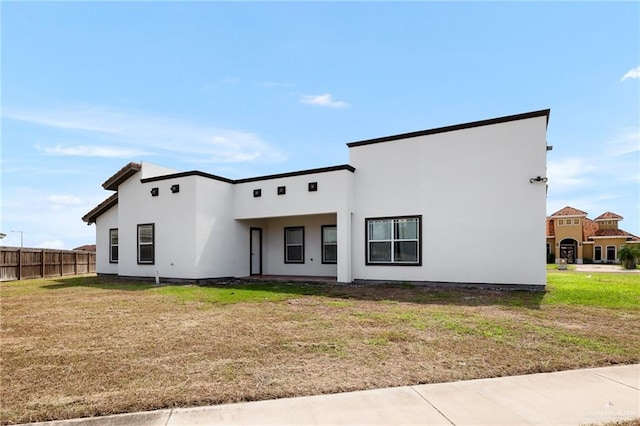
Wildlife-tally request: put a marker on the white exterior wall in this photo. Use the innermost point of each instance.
(299, 207)
(219, 248)
(273, 246)
(104, 223)
(175, 230)
(482, 220)
(333, 194)
(149, 170)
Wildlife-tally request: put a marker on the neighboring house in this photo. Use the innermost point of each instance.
(578, 239)
(414, 207)
(86, 247)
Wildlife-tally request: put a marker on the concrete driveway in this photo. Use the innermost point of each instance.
(605, 268)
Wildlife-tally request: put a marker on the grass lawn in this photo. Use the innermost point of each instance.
(87, 346)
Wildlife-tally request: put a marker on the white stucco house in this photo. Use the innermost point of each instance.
(420, 207)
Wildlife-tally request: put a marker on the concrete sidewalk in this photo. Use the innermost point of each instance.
(577, 397)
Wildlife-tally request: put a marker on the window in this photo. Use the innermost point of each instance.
(393, 241)
(146, 246)
(576, 221)
(294, 245)
(329, 244)
(597, 253)
(611, 253)
(560, 222)
(113, 245)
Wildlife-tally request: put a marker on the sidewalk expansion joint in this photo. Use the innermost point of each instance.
(169, 417)
(613, 380)
(434, 407)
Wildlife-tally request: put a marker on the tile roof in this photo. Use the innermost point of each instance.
(569, 211)
(609, 216)
(100, 209)
(86, 247)
(121, 175)
(551, 232)
(589, 228)
(615, 233)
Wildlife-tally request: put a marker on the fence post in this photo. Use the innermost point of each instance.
(42, 264)
(19, 263)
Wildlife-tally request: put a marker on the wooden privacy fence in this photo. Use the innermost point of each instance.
(25, 263)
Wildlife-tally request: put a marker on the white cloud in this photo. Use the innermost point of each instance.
(92, 151)
(62, 201)
(48, 219)
(633, 73)
(625, 144)
(51, 244)
(593, 203)
(568, 173)
(90, 119)
(325, 100)
(134, 134)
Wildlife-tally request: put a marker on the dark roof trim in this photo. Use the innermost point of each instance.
(299, 173)
(101, 208)
(253, 179)
(533, 114)
(186, 174)
(121, 175)
(128, 171)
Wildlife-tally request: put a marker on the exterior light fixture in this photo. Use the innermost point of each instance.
(538, 179)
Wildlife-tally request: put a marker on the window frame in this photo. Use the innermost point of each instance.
(287, 245)
(615, 253)
(597, 254)
(324, 243)
(152, 244)
(393, 239)
(116, 245)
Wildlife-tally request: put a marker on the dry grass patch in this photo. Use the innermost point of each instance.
(84, 346)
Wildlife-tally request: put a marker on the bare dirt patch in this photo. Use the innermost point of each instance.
(80, 347)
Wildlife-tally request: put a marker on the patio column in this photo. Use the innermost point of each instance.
(343, 224)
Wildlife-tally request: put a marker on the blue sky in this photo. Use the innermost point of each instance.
(247, 89)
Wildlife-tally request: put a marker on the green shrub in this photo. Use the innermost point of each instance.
(551, 258)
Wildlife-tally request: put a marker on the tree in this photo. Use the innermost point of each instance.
(628, 255)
